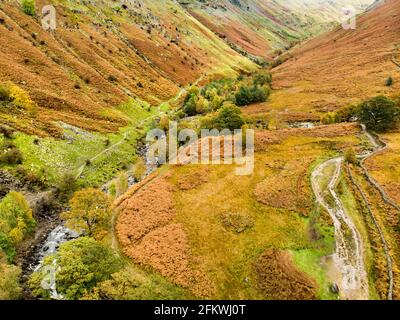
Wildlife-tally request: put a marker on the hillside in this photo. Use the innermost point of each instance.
(263, 27)
(103, 53)
(340, 67)
(91, 209)
(100, 55)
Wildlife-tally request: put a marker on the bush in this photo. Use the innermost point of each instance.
(29, 177)
(4, 93)
(246, 95)
(262, 78)
(132, 283)
(10, 288)
(10, 155)
(329, 118)
(67, 185)
(19, 97)
(379, 114)
(389, 82)
(7, 247)
(83, 263)
(28, 7)
(229, 117)
(190, 105)
(243, 97)
(350, 156)
(6, 132)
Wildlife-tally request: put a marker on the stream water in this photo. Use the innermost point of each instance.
(61, 234)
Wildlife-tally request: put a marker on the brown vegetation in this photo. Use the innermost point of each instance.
(279, 279)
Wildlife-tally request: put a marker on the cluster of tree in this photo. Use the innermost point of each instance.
(241, 91)
(379, 114)
(87, 267)
(87, 261)
(228, 117)
(249, 95)
(82, 264)
(16, 222)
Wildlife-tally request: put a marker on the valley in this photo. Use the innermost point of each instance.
(317, 219)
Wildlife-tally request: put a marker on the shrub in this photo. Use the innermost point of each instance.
(20, 98)
(4, 93)
(262, 78)
(112, 78)
(7, 247)
(379, 114)
(132, 283)
(243, 97)
(328, 118)
(350, 156)
(28, 7)
(190, 105)
(11, 156)
(16, 219)
(229, 117)
(389, 82)
(139, 170)
(347, 113)
(6, 132)
(246, 95)
(10, 288)
(66, 186)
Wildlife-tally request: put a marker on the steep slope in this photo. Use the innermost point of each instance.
(342, 66)
(101, 54)
(261, 27)
(104, 52)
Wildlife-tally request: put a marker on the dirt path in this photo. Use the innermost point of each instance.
(348, 258)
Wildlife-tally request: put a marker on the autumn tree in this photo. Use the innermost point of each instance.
(90, 212)
(139, 169)
(10, 288)
(16, 221)
(83, 263)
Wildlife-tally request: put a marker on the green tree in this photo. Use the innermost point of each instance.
(190, 105)
(243, 97)
(83, 263)
(90, 212)
(379, 114)
(229, 117)
(16, 219)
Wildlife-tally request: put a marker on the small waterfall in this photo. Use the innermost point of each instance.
(54, 240)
